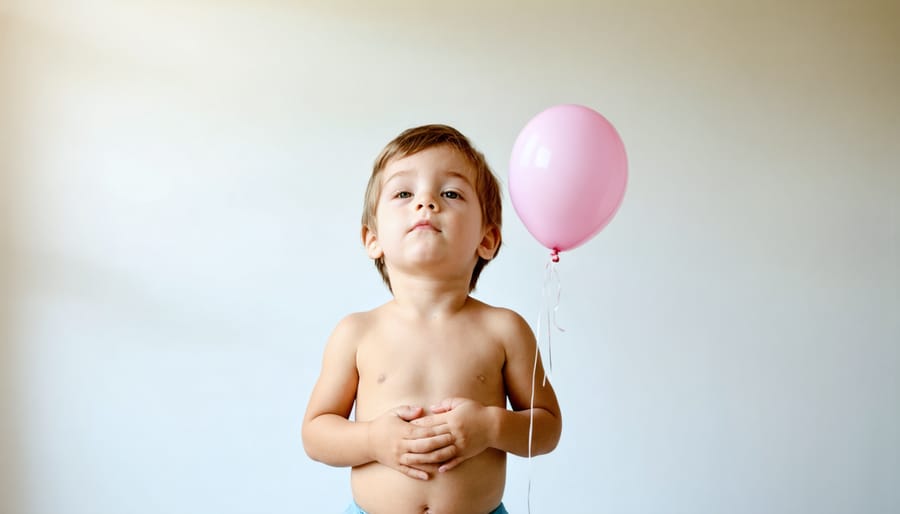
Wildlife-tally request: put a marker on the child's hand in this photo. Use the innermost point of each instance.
(469, 423)
(410, 449)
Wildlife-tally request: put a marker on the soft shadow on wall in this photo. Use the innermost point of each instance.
(10, 461)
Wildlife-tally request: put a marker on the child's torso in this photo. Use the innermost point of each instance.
(402, 364)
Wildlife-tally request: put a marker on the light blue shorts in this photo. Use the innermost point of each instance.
(354, 509)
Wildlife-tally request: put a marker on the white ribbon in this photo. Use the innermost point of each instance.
(551, 278)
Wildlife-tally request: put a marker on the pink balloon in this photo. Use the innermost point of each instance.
(567, 175)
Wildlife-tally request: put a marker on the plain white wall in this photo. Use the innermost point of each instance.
(182, 212)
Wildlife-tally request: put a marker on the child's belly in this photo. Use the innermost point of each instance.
(474, 487)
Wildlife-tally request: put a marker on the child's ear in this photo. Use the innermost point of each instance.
(370, 241)
(489, 243)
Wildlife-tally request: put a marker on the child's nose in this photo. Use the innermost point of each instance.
(427, 202)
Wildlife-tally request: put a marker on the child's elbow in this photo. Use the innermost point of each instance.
(307, 435)
(547, 433)
(555, 433)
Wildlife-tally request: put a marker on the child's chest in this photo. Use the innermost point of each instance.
(405, 367)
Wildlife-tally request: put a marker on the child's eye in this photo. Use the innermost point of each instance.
(453, 195)
(403, 194)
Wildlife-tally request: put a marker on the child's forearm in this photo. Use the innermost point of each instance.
(337, 441)
(512, 431)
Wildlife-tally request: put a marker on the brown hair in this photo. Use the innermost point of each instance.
(415, 140)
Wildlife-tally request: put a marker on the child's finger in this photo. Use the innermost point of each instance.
(416, 431)
(413, 472)
(430, 444)
(429, 421)
(423, 421)
(408, 412)
(440, 455)
(446, 405)
(450, 465)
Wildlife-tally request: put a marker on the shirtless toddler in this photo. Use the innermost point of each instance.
(430, 371)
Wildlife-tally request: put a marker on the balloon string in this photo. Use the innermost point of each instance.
(551, 278)
(531, 420)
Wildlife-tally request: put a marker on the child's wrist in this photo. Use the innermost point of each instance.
(370, 446)
(495, 426)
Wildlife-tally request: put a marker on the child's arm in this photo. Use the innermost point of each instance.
(330, 437)
(512, 428)
(476, 427)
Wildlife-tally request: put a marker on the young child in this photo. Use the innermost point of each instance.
(431, 370)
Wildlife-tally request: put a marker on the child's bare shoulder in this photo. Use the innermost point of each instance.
(506, 324)
(351, 328)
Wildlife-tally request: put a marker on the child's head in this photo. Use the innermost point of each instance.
(415, 140)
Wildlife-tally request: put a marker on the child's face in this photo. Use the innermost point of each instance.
(428, 215)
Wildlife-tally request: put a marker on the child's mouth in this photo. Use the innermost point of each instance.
(425, 225)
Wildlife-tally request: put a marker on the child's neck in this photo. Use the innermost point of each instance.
(429, 298)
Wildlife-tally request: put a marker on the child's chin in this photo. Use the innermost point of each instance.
(426, 259)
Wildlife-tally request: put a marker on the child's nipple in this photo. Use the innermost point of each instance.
(381, 378)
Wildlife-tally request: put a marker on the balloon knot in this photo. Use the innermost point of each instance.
(554, 255)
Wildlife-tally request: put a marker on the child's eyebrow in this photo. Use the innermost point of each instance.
(401, 173)
(451, 173)
(459, 175)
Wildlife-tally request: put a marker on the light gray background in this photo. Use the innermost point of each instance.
(180, 223)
